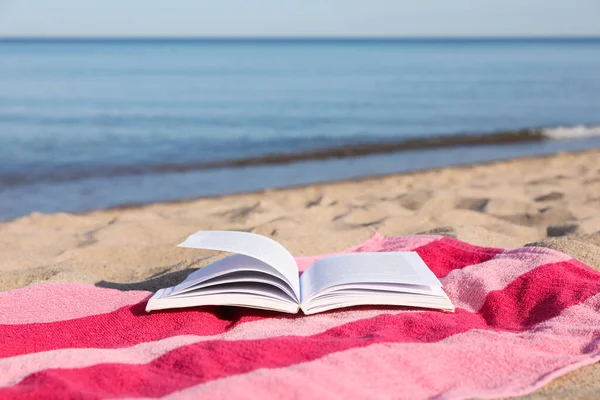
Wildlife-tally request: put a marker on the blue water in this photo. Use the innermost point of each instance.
(75, 113)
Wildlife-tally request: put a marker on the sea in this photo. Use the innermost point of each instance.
(90, 123)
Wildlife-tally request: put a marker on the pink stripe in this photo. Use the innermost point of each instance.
(524, 300)
(18, 367)
(14, 369)
(540, 294)
(468, 287)
(447, 254)
(62, 301)
(116, 327)
(208, 362)
(189, 365)
(411, 371)
(483, 364)
(124, 327)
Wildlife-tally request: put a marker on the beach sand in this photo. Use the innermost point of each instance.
(549, 201)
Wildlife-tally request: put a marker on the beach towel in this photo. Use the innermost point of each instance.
(524, 316)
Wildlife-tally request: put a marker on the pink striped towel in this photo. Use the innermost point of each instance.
(524, 317)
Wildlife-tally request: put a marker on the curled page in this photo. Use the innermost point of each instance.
(251, 245)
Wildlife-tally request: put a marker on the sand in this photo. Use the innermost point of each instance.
(549, 201)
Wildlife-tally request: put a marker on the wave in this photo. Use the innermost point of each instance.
(356, 149)
(571, 132)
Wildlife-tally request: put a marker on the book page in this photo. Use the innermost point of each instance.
(237, 280)
(255, 288)
(235, 268)
(262, 300)
(365, 268)
(360, 298)
(243, 276)
(251, 245)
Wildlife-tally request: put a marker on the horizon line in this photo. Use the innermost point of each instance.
(298, 38)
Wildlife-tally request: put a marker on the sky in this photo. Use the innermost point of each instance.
(304, 18)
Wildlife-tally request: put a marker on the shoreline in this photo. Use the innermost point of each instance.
(176, 188)
(353, 149)
(78, 191)
(340, 181)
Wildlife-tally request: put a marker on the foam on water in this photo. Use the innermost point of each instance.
(572, 132)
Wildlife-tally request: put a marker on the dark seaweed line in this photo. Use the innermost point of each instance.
(346, 151)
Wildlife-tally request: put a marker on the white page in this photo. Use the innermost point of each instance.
(251, 245)
(356, 268)
(230, 269)
(244, 276)
(344, 294)
(254, 288)
(159, 302)
(379, 288)
(397, 299)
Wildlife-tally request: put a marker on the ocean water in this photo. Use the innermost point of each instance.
(89, 124)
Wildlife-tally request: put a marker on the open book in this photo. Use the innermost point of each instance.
(263, 274)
